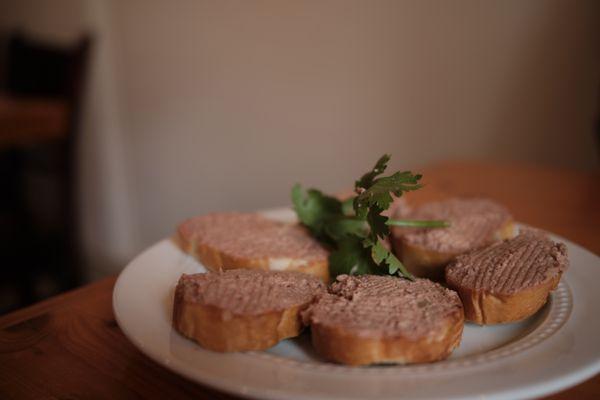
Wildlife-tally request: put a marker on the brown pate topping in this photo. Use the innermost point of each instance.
(248, 235)
(473, 224)
(510, 266)
(385, 306)
(250, 292)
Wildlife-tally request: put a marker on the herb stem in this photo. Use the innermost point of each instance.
(417, 224)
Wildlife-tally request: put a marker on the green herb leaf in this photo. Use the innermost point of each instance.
(367, 179)
(379, 252)
(340, 227)
(379, 193)
(395, 266)
(356, 228)
(381, 255)
(314, 209)
(378, 222)
(351, 258)
(348, 206)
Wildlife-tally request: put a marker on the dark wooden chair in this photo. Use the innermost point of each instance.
(39, 239)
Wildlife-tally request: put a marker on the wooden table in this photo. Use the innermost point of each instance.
(70, 347)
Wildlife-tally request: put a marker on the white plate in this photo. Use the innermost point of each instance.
(557, 348)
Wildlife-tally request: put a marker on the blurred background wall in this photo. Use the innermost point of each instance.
(197, 106)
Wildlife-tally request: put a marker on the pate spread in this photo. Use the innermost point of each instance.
(510, 266)
(385, 306)
(249, 292)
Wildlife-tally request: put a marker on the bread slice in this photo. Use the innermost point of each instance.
(239, 310)
(371, 319)
(508, 281)
(245, 240)
(474, 223)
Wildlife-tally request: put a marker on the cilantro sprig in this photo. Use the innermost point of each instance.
(356, 229)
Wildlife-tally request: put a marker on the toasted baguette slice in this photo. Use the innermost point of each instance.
(372, 319)
(244, 240)
(239, 310)
(508, 281)
(474, 223)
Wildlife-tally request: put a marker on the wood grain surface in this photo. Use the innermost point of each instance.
(26, 121)
(70, 347)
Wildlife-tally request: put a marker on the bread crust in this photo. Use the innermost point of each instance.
(427, 263)
(342, 346)
(215, 260)
(220, 330)
(485, 308)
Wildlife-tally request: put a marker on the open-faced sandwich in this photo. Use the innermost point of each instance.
(242, 309)
(510, 280)
(372, 319)
(246, 240)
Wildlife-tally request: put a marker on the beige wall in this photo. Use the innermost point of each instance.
(216, 105)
